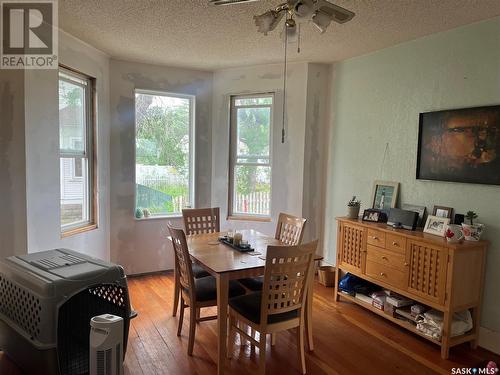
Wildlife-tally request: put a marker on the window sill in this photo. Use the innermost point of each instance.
(265, 219)
(74, 231)
(159, 217)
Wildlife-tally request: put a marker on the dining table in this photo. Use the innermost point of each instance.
(225, 264)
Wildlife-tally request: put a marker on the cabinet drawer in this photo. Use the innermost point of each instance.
(387, 258)
(395, 242)
(376, 238)
(386, 274)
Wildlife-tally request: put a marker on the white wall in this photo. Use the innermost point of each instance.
(141, 245)
(12, 164)
(42, 151)
(315, 150)
(376, 100)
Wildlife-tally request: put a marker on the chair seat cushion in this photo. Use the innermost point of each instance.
(199, 271)
(253, 283)
(206, 289)
(249, 307)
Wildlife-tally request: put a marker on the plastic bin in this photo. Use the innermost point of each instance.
(326, 275)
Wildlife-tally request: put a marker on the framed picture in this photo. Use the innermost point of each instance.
(385, 194)
(418, 209)
(441, 211)
(374, 215)
(436, 225)
(461, 145)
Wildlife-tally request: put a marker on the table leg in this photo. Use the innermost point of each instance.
(308, 314)
(222, 302)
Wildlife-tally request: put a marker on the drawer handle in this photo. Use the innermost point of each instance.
(406, 264)
(382, 274)
(384, 257)
(375, 237)
(394, 243)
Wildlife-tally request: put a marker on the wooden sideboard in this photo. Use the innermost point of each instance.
(424, 267)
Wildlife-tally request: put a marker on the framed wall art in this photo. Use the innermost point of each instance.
(385, 194)
(461, 145)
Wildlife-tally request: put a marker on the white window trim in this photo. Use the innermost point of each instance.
(233, 153)
(192, 141)
(90, 200)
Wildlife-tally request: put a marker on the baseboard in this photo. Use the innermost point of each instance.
(489, 339)
(162, 272)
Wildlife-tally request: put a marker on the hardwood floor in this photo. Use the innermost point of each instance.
(341, 347)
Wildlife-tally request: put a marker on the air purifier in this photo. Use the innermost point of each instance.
(106, 345)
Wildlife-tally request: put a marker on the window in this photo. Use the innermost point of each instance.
(164, 152)
(77, 154)
(250, 156)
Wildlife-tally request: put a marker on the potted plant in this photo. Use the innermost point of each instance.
(353, 208)
(472, 231)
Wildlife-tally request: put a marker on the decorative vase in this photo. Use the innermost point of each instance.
(454, 233)
(472, 232)
(138, 213)
(146, 212)
(352, 212)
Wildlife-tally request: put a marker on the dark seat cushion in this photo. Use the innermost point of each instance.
(253, 283)
(206, 289)
(199, 271)
(249, 307)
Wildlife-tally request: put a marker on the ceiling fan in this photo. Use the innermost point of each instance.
(320, 12)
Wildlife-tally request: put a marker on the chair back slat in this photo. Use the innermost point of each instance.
(183, 263)
(290, 229)
(285, 279)
(201, 220)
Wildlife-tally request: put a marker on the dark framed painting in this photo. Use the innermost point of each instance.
(460, 145)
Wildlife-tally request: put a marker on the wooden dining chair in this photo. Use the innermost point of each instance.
(289, 230)
(201, 220)
(281, 303)
(195, 293)
(197, 221)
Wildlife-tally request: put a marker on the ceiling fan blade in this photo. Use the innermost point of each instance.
(338, 14)
(229, 2)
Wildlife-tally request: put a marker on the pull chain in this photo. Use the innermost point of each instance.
(284, 84)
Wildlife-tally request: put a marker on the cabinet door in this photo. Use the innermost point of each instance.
(427, 271)
(352, 247)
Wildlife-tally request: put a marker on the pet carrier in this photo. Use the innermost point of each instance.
(47, 300)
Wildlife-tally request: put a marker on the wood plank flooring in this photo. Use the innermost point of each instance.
(341, 347)
(348, 340)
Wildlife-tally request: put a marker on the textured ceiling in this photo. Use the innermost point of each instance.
(190, 33)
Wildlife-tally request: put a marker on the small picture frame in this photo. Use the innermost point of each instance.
(436, 225)
(385, 194)
(442, 211)
(373, 215)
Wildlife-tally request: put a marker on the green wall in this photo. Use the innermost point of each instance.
(376, 100)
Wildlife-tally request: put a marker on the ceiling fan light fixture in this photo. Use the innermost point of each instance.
(267, 21)
(229, 2)
(303, 8)
(321, 21)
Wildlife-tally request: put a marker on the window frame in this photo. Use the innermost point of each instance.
(192, 142)
(233, 150)
(89, 152)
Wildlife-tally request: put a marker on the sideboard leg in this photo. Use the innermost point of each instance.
(445, 339)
